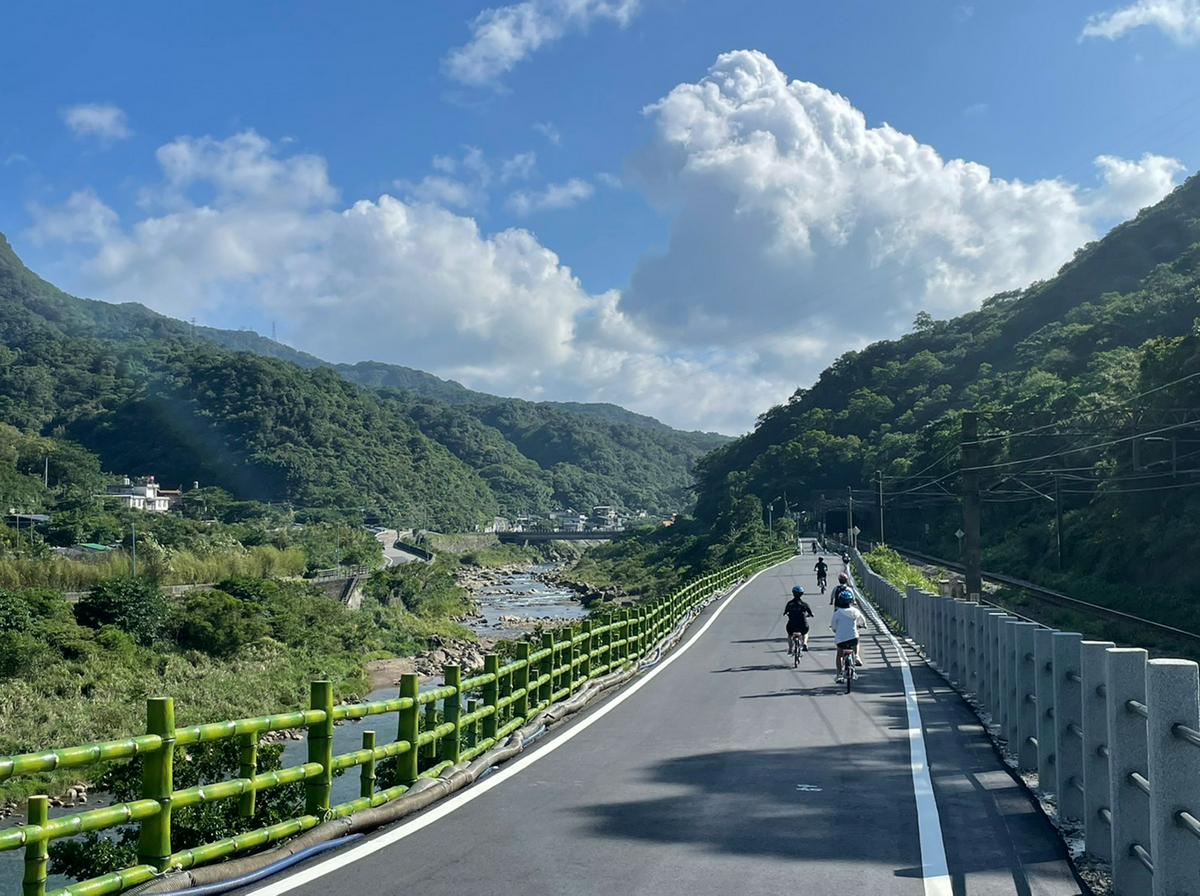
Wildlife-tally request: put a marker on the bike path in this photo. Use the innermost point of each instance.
(731, 772)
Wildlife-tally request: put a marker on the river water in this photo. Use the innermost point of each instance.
(507, 609)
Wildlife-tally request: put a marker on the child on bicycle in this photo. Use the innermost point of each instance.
(798, 613)
(845, 624)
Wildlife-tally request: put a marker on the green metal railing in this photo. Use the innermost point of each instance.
(477, 713)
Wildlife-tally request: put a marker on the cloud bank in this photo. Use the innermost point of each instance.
(798, 231)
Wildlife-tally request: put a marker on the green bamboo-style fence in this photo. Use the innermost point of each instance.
(476, 714)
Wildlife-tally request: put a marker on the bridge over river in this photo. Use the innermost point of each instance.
(717, 768)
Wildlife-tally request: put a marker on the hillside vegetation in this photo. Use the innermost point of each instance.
(144, 393)
(1107, 349)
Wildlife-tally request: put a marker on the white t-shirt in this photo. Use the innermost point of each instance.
(845, 624)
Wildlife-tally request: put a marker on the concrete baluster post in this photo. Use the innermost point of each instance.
(1015, 696)
(1025, 748)
(1173, 697)
(953, 665)
(1096, 779)
(992, 634)
(1125, 681)
(965, 610)
(1043, 657)
(1006, 666)
(1068, 725)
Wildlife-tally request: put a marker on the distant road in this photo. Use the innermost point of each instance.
(726, 771)
(392, 555)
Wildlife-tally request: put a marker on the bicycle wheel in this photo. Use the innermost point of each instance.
(795, 652)
(849, 671)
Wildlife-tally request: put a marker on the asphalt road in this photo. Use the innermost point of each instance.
(730, 772)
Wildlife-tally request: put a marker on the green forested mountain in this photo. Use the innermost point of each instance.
(1082, 359)
(146, 393)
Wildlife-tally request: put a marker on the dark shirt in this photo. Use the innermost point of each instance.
(797, 611)
(822, 567)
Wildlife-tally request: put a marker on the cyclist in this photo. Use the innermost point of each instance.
(845, 562)
(822, 569)
(814, 545)
(843, 594)
(798, 613)
(845, 625)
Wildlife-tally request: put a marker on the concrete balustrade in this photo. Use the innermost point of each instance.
(1113, 735)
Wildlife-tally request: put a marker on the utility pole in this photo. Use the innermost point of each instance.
(46, 473)
(972, 543)
(879, 477)
(133, 546)
(1058, 519)
(850, 516)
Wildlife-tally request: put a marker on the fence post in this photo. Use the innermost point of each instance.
(586, 668)
(1096, 833)
(158, 774)
(408, 728)
(491, 693)
(521, 704)
(1068, 725)
(962, 618)
(1173, 697)
(451, 712)
(1026, 748)
(320, 749)
(37, 813)
(247, 768)
(366, 781)
(1043, 657)
(546, 670)
(1125, 681)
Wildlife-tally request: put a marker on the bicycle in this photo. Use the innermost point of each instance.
(823, 582)
(796, 648)
(849, 673)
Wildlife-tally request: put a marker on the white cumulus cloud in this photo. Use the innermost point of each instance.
(788, 206)
(504, 36)
(798, 230)
(1178, 19)
(237, 224)
(551, 198)
(102, 120)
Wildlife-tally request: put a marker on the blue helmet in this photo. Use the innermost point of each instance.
(844, 599)
(798, 591)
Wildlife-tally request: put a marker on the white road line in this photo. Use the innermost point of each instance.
(342, 859)
(934, 870)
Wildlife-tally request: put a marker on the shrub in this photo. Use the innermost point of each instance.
(132, 605)
(217, 623)
(21, 654)
(14, 613)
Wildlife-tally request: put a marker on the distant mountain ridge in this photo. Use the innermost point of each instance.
(130, 377)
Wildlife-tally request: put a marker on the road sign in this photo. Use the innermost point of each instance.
(959, 534)
(857, 530)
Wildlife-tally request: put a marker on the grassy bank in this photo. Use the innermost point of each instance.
(73, 675)
(887, 563)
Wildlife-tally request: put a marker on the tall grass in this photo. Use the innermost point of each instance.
(171, 568)
(887, 563)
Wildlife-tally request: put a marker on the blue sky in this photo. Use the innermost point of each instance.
(542, 234)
